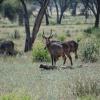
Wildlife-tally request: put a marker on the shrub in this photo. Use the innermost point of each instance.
(39, 53)
(78, 23)
(68, 34)
(92, 31)
(89, 50)
(52, 23)
(61, 37)
(88, 30)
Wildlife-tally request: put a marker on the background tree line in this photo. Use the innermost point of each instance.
(21, 10)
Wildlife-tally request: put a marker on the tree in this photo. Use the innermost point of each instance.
(61, 6)
(57, 10)
(47, 17)
(40, 2)
(8, 9)
(74, 4)
(12, 9)
(94, 6)
(30, 40)
(1, 1)
(98, 14)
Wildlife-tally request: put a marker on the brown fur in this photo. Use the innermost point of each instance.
(60, 49)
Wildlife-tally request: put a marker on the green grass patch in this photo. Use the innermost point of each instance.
(88, 97)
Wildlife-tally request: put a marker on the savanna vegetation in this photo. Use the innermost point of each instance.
(23, 22)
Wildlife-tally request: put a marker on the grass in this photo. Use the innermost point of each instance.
(15, 96)
(21, 73)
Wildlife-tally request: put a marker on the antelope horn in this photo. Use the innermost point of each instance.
(51, 35)
(43, 34)
(51, 31)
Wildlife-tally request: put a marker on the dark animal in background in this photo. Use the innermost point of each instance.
(71, 46)
(7, 47)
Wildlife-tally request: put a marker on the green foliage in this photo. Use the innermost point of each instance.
(9, 9)
(88, 30)
(39, 53)
(61, 37)
(88, 97)
(78, 23)
(68, 34)
(14, 96)
(52, 22)
(92, 31)
(89, 49)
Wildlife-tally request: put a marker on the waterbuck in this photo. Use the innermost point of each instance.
(67, 47)
(55, 49)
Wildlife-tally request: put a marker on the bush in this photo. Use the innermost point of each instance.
(52, 22)
(78, 23)
(61, 37)
(39, 53)
(92, 31)
(68, 34)
(89, 49)
(88, 30)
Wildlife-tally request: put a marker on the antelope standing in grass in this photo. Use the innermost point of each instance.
(58, 49)
(55, 49)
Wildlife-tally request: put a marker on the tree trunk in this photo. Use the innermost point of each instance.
(74, 8)
(27, 28)
(57, 11)
(50, 7)
(1, 1)
(46, 17)
(28, 43)
(61, 16)
(39, 20)
(98, 15)
(63, 9)
(97, 20)
(20, 18)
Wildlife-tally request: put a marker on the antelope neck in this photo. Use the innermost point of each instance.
(48, 44)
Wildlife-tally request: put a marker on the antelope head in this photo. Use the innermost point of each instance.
(47, 39)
